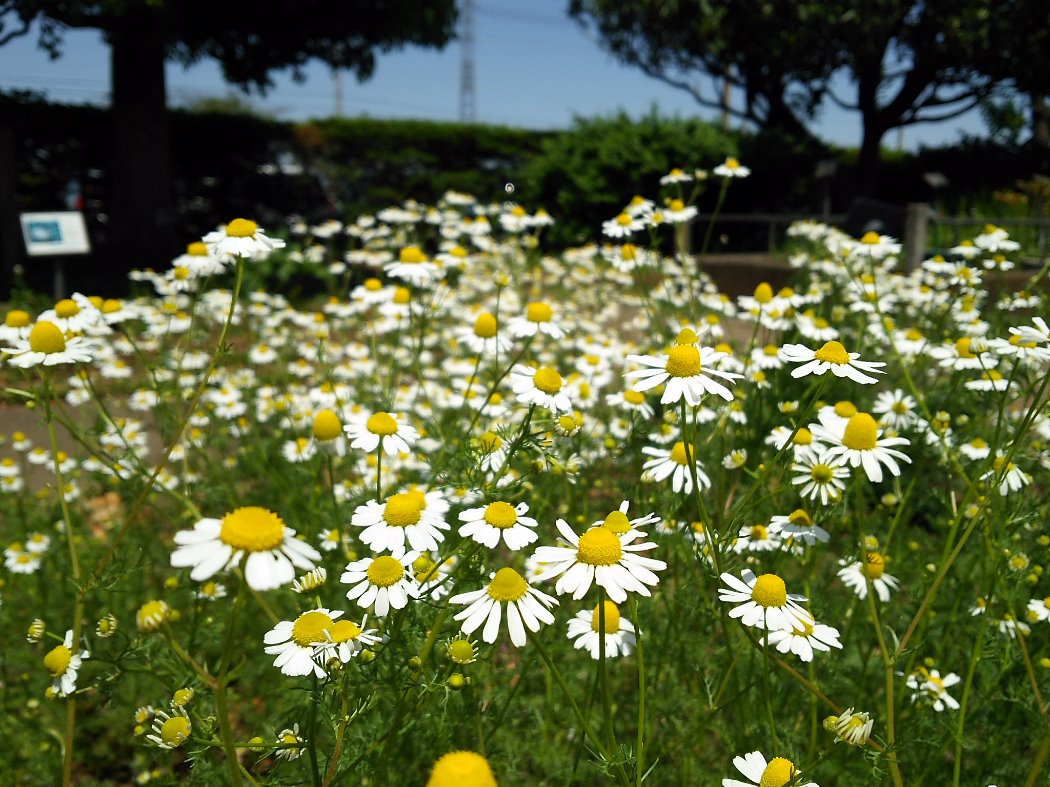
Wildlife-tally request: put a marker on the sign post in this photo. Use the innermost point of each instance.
(55, 234)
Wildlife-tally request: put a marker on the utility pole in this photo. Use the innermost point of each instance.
(467, 97)
(337, 79)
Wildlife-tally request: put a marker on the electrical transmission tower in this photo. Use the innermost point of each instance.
(467, 97)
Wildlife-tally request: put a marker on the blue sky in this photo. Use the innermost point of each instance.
(534, 67)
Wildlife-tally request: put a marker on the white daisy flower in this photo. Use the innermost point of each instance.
(538, 318)
(853, 728)
(676, 175)
(831, 356)
(401, 519)
(499, 520)
(384, 581)
(1038, 332)
(805, 638)
(873, 568)
(46, 345)
(345, 640)
(622, 226)
(526, 607)
(542, 386)
(799, 526)
(928, 685)
(1008, 476)
(686, 370)
(775, 773)
(63, 663)
(585, 632)
(259, 537)
(241, 238)
(171, 730)
(366, 431)
(484, 336)
(763, 602)
(599, 556)
(413, 266)
(295, 642)
(674, 464)
(860, 444)
(731, 168)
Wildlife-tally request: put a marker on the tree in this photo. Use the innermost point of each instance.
(906, 62)
(250, 40)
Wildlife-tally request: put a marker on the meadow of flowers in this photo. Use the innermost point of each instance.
(490, 515)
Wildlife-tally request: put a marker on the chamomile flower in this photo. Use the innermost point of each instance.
(763, 602)
(860, 443)
(484, 336)
(853, 728)
(821, 478)
(832, 356)
(345, 640)
(538, 318)
(622, 225)
(1008, 476)
(401, 520)
(63, 662)
(367, 431)
(241, 238)
(499, 520)
(542, 386)
(255, 536)
(856, 576)
(290, 744)
(599, 556)
(526, 607)
(929, 686)
(896, 409)
(686, 372)
(294, 642)
(384, 581)
(778, 772)
(46, 345)
(585, 632)
(171, 730)
(804, 639)
(413, 266)
(674, 464)
(798, 526)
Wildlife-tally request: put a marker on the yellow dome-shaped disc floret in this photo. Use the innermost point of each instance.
(683, 360)
(47, 338)
(17, 318)
(501, 515)
(778, 772)
(382, 424)
(861, 433)
(832, 352)
(402, 510)
(241, 228)
(612, 618)
(547, 380)
(507, 585)
(617, 522)
(874, 565)
(385, 571)
(599, 546)
(252, 528)
(769, 591)
(461, 769)
(485, 326)
(538, 311)
(309, 628)
(57, 660)
(327, 426)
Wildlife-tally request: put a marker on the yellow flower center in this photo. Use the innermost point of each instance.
(624, 219)
(461, 651)
(252, 529)
(963, 347)
(197, 249)
(683, 360)
(547, 380)
(373, 285)
(241, 228)
(57, 660)
(803, 628)
(845, 409)
(507, 585)
(633, 397)
(538, 312)
(770, 350)
(385, 571)
(501, 515)
(759, 533)
(327, 425)
(764, 292)
(46, 337)
(732, 163)
(485, 326)
(800, 517)
(803, 436)
(779, 771)
(628, 251)
(599, 546)
(832, 352)
(67, 308)
(412, 255)
(175, 730)
(861, 433)
(151, 615)
(490, 441)
(344, 631)
(402, 295)
(382, 424)
(870, 238)
(461, 768)
(979, 442)
(181, 273)
(874, 566)
(402, 510)
(17, 318)
(679, 455)
(676, 204)
(769, 591)
(612, 618)
(310, 627)
(424, 569)
(617, 522)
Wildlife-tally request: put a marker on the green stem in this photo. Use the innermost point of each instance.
(639, 757)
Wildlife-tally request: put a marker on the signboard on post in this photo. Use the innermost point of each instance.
(55, 234)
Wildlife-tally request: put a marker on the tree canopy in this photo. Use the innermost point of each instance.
(905, 62)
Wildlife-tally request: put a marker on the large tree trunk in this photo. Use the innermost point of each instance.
(142, 198)
(1040, 119)
(868, 159)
